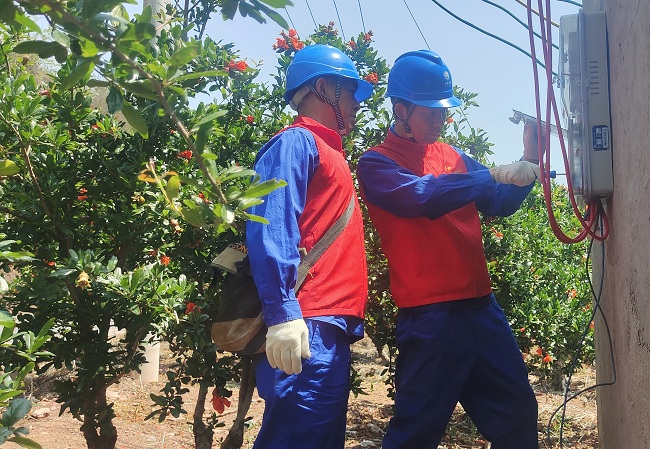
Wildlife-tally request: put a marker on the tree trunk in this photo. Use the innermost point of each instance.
(100, 433)
(235, 437)
(203, 434)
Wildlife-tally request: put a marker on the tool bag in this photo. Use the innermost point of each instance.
(238, 326)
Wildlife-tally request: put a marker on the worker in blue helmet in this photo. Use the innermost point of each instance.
(424, 198)
(304, 376)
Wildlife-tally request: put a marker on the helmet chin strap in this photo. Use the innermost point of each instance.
(405, 122)
(335, 104)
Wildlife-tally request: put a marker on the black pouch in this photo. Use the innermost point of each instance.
(238, 326)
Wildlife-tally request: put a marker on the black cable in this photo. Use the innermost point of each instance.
(521, 22)
(290, 21)
(363, 24)
(339, 17)
(311, 14)
(490, 34)
(416, 24)
(597, 308)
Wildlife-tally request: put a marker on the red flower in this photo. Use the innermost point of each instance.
(372, 78)
(219, 403)
(45, 93)
(280, 44)
(82, 197)
(450, 120)
(50, 263)
(288, 41)
(539, 351)
(497, 234)
(296, 44)
(367, 37)
(572, 293)
(352, 44)
(187, 154)
(522, 329)
(237, 66)
(250, 119)
(191, 307)
(547, 359)
(164, 260)
(94, 126)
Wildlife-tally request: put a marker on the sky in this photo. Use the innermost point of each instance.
(501, 75)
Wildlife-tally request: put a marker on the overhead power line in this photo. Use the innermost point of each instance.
(521, 22)
(290, 21)
(500, 39)
(416, 24)
(363, 24)
(339, 17)
(534, 11)
(311, 14)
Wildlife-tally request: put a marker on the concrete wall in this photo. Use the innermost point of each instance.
(624, 408)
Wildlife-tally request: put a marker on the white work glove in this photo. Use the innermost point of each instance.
(286, 344)
(520, 173)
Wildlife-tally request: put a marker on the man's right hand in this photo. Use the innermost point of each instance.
(286, 344)
(520, 173)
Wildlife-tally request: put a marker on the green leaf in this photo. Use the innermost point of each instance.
(142, 89)
(202, 135)
(277, 3)
(6, 320)
(79, 73)
(25, 442)
(88, 48)
(263, 188)
(43, 49)
(194, 216)
(256, 218)
(206, 74)
(28, 23)
(140, 31)
(173, 187)
(208, 118)
(183, 55)
(114, 100)
(17, 409)
(8, 168)
(135, 119)
(111, 17)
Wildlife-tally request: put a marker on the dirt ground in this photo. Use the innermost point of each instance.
(367, 418)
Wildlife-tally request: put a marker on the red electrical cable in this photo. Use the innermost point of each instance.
(595, 211)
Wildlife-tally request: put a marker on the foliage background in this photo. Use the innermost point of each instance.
(108, 249)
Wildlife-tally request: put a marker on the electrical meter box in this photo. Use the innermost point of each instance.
(584, 88)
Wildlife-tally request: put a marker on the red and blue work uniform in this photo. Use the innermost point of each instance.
(308, 409)
(454, 341)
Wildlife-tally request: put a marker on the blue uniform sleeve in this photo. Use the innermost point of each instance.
(507, 198)
(404, 194)
(273, 248)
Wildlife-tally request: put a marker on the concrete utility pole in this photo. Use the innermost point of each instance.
(624, 407)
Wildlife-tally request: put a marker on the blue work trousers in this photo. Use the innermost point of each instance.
(307, 410)
(463, 352)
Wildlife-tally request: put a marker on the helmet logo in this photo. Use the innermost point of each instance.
(446, 75)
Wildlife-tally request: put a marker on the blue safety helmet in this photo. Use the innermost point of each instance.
(421, 78)
(319, 60)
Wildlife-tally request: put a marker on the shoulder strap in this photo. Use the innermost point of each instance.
(321, 246)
